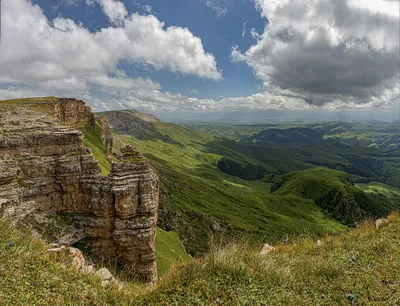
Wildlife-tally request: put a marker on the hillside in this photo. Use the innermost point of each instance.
(336, 194)
(369, 151)
(360, 267)
(212, 189)
(362, 134)
(199, 201)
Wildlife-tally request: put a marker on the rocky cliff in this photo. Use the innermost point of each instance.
(46, 172)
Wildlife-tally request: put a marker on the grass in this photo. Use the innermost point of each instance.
(29, 100)
(379, 188)
(93, 141)
(312, 183)
(360, 267)
(35, 103)
(31, 276)
(356, 268)
(196, 193)
(169, 251)
(201, 194)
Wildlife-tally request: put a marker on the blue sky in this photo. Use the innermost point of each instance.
(218, 34)
(207, 58)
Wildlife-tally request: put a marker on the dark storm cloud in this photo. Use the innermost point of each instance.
(327, 51)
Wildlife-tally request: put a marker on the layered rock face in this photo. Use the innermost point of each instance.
(45, 169)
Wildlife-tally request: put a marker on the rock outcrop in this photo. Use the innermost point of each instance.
(45, 169)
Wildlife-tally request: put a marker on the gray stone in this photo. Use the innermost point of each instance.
(104, 274)
(266, 249)
(381, 222)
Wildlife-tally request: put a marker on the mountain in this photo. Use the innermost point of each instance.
(336, 194)
(218, 187)
(93, 181)
(369, 151)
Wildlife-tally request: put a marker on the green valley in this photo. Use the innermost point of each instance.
(202, 203)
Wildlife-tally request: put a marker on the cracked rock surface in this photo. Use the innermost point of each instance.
(45, 169)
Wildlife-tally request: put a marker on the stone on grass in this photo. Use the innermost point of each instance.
(87, 269)
(75, 252)
(381, 222)
(54, 250)
(266, 249)
(104, 274)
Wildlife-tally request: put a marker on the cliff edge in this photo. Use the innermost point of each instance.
(47, 174)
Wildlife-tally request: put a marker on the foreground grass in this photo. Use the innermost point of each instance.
(361, 267)
(358, 268)
(31, 276)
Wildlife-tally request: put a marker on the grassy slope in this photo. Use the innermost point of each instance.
(28, 100)
(93, 141)
(229, 130)
(360, 267)
(31, 276)
(357, 134)
(198, 194)
(336, 194)
(368, 151)
(169, 250)
(386, 190)
(311, 184)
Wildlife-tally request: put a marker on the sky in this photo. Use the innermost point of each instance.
(206, 60)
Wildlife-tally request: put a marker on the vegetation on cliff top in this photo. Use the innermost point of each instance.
(94, 142)
(29, 100)
(360, 267)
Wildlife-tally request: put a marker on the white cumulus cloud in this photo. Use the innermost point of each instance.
(60, 57)
(114, 10)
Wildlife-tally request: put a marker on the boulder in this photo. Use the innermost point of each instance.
(78, 261)
(215, 226)
(128, 149)
(104, 274)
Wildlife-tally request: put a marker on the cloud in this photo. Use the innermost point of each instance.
(147, 8)
(254, 33)
(311, 54)
(333, 53)
(114, 10)
(71, 2)
(244, 29)
(65, 56)
(144, 40)
(220, 11)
